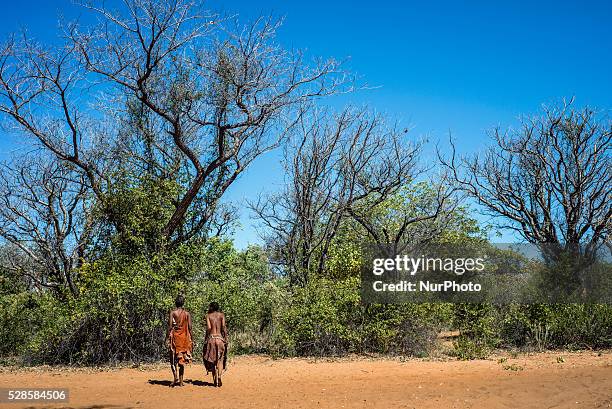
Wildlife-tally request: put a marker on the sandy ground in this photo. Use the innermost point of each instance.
(577, 380)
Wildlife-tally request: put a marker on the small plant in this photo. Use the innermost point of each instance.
(467, 349)
(541, 336)
(560, 359)
(502, 360)
(513, 367)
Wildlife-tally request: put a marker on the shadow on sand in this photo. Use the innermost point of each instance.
(199, 383)
(81, 407)
(168, 383)
(158, 382)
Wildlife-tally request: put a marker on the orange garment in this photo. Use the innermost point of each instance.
(180, 339)
(214, 351)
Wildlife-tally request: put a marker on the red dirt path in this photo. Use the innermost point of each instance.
(579, 380)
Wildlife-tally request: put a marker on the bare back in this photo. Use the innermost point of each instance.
(215, 346)
(175, 316)
(215, 324)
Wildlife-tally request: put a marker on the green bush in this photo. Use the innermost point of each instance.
(327, 318)
(404, 329)
(121, 314)
(538, 326)
(320, 319)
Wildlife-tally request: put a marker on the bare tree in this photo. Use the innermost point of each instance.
(340, 168)
(222, 96)
(44, 215)
(414, 215)
(549, 180)
(303, 218)
(143, 157)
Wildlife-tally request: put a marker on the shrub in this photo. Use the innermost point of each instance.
(538, 326)
(327, 318)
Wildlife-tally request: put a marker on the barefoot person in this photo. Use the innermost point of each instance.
(179, 339)
(215, 351)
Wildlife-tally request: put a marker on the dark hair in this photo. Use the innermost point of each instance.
(179, 301)
(213, 307)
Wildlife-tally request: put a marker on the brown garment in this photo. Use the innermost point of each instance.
(180, 339)
(214, 351)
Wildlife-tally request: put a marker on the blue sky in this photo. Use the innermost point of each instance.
(440, 67)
